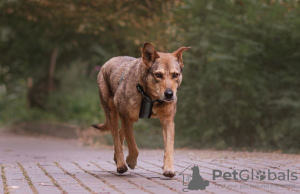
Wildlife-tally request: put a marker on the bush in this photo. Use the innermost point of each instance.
(243, 76)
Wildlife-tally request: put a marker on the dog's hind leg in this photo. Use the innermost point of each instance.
(127, 127)
(119, 157)
(122, 138)
(112, 122)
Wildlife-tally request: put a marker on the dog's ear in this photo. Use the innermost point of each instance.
(149, 54)
(178, 54)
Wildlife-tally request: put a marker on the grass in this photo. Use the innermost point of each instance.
(55, 183)
(101, 179)
(123, 177)
(28, 180)
(6, 191)
(74, 177)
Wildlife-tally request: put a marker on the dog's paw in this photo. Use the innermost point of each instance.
(131, 162)
(122, 169)
(169, 173)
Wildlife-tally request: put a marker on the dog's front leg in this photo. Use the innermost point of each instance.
(168, 136)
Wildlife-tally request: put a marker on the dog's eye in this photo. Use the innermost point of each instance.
(158, 75)
(175, 75)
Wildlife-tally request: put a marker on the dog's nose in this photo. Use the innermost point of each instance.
(168, 94)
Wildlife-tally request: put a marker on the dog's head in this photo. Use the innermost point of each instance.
(164, 72)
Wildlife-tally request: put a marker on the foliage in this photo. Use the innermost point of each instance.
(241, 85)
(77, 102)
(244, 86)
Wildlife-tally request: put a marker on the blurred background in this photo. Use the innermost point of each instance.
(241, 81)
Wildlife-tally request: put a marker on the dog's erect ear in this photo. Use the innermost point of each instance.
(178, 54)
(149, 54)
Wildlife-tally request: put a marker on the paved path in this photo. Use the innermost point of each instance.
(50, 165)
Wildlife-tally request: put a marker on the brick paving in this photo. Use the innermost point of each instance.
(50, 165)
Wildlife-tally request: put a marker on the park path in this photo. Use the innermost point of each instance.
(51, 165)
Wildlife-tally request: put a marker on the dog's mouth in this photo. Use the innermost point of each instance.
(168, 100)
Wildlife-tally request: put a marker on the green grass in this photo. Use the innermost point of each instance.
(55, 183)
(6, 191)
(28, 180)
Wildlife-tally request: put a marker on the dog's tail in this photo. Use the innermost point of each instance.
(101, 126)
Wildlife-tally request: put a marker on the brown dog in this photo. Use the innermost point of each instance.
(159, 75)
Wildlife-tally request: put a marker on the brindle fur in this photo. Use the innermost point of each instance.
(121, 100)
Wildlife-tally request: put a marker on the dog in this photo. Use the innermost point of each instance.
(126, 84)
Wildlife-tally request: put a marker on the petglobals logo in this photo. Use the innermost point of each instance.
(192, 179)
(252, 174)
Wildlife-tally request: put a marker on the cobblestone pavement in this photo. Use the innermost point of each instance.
(50, 165)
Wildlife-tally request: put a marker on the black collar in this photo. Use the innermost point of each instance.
(146, 104)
